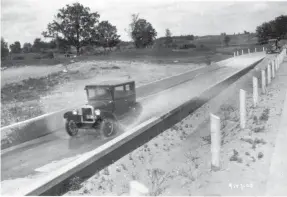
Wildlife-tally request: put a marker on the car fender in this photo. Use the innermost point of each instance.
(70, 116)
(106, 114)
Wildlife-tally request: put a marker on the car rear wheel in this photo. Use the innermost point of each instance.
(71, 127)
(108, 127)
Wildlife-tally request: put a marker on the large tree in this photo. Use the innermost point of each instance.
(4, 48)
(39, 45)
(132, 25)
(168, 38)
(143, 33)
(226, 40)
(108, 36)
(273, 29)
(75, 25)
(15, 47)
(27, 47)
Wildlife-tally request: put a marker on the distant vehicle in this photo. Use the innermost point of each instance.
(273, 46)
(107, 102)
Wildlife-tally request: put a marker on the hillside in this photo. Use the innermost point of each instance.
(212, 41)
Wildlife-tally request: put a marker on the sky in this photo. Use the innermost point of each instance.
(24, 20)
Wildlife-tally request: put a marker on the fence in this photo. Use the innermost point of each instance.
(237, 53)
(272, 67)
(138, 189)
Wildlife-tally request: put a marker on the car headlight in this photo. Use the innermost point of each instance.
(97, 112)
(75, 112)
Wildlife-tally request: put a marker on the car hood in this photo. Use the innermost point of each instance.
(105, 104)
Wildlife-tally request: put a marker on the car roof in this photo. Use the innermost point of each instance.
(110, 83)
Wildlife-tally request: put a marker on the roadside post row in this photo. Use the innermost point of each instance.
(138, 189)
(272, 67)
(236, 53)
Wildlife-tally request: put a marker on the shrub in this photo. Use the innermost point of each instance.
(38, 57)
(187, 46)
(18, 58)
(49, 55)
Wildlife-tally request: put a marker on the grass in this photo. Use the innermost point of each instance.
(157, 179)
(254, 142)
(259, 129)
(265, 115)
(235, 157)
(75, 184)
(20, 101)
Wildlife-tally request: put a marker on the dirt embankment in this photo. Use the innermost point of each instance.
(177, 162)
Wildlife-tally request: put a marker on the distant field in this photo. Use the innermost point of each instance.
(144, 55)
(32, 86)
(205, 46)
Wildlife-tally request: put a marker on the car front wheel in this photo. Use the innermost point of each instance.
(108, 127)
(71, 127)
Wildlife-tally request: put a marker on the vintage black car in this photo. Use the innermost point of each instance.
(273, 46)
(107, 101)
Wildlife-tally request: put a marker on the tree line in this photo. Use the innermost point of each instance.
(76, 26)
(276, 28)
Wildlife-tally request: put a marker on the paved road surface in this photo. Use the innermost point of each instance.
(51, 151)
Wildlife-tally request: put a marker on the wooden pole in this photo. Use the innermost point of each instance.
(255, 91)
(215, 141)
(242, 108)
(273, 69)
(268, 74)
(263, 81)
(137, 189)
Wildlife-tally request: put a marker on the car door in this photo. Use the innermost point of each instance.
(120, 100)
(130, 95)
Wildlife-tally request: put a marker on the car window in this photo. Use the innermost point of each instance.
(99, 93)
(119, 91)
(119, 88)
(128, 87)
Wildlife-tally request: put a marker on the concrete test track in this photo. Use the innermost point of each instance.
(45, 162)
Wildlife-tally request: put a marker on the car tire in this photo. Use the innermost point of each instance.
(108, 127)
(71, 127)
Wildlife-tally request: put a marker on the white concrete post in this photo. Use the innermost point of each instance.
(255, 50)
(137, 189)
(237, 53)
(263, 49)
(268, 74)
(277, 63)
(255, 91)
(242, 52)
(234, 54)
(263, 81)
(273, 69)
(215, 141)
(242, 98)
(248, 51)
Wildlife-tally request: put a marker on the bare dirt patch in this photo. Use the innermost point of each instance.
(177, 162)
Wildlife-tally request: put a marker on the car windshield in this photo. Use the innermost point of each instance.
(99, 93)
